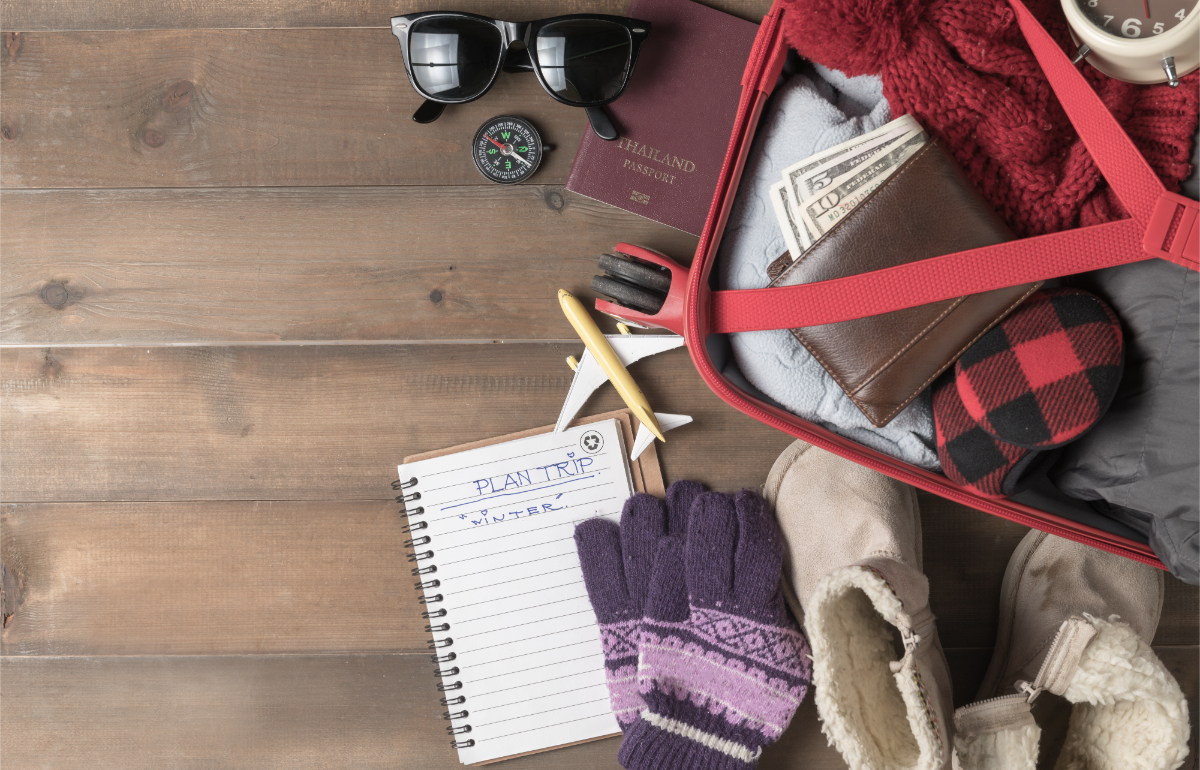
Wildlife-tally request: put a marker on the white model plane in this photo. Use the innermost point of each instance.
(589, 376)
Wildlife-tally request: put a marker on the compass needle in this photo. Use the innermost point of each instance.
(507, 149)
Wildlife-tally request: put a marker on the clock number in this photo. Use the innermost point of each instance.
(1158, 28)
(1131, 27)
(1107, 19)
(1181, 14)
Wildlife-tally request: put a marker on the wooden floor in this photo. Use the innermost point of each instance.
(239, 284)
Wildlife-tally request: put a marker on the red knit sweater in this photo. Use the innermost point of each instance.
(964, 71)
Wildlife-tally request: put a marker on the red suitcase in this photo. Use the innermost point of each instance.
(1163, 225)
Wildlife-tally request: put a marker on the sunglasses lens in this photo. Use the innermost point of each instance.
(584, 61)
(453, 57)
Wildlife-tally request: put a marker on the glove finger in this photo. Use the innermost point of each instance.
(712, 538)
(668, 598)
(680, 497)
(643, 522)
(598, 543)
(758, 563)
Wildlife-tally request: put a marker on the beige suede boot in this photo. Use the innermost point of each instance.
(853, 562)
(1129, 711)
(1048, 580)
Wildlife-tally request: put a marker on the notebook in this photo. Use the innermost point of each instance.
(520, 664)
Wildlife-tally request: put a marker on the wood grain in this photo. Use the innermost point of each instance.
(314, 423)
(330, 577)
(300, 711)
(216, 108)
(47, 15)
(215, 578)
(375, 711)
(332, 264)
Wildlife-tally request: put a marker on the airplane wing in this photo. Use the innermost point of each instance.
(645, 438)
(589, 375)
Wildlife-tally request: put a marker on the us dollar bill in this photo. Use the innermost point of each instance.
(824, 211)
(793, 233)
(809, 175)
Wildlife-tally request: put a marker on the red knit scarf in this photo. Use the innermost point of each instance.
(964, 71)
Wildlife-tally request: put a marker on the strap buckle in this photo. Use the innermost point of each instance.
(1173, 232)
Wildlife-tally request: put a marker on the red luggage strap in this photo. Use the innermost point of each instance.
(1161, 224)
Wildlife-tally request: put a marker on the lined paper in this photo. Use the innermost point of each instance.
(501, 521)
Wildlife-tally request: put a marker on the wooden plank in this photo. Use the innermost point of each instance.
(378, 711)
(314, 423)
(270, 712)
(302, 712)
(50, 15)
(308, 577)
(369, 263)
(321, 107)
(207, 578)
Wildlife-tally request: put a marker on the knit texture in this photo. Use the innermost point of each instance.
(963, 70)
(1047, 373)
(617, 561)
(722, 664)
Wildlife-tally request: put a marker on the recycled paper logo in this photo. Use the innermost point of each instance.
(638, 197)
(592, 442)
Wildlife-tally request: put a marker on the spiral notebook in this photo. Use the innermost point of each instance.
(518, 652)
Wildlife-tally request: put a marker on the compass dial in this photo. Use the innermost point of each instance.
(507, 149)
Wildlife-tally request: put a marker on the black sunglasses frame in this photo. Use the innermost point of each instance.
(524, 61)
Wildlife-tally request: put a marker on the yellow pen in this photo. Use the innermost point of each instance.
(617, 374)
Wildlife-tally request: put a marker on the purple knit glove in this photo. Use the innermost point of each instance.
(722, 666)
(617, 566)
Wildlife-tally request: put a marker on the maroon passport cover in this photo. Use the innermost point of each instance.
(674, 119)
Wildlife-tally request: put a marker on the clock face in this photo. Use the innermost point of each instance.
(1135, 19)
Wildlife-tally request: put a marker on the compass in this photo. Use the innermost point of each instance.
(507, 149)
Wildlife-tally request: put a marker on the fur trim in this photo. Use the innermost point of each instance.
(1013, 749)
(874, 720)
(1130, 713)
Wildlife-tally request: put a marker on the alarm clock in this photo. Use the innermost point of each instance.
(1138, 41)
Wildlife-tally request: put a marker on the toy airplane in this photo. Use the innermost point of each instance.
(589, 376)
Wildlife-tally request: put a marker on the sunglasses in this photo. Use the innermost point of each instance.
(583, 60)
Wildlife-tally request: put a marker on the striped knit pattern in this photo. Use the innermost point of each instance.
(617, 561)
(620, 642)
(722, 666)
(754, 676)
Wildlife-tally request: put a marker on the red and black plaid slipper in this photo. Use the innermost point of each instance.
(1046, 374)
(973, 458)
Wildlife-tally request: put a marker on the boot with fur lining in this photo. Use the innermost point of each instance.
(1129, 712)
(880, 713)
(853, 567)
(996, 734)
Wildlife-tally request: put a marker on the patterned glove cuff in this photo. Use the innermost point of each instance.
(658, 742)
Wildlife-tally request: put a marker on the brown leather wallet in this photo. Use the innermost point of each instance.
(926, 209)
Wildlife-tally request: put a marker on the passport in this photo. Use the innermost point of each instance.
(674, 119)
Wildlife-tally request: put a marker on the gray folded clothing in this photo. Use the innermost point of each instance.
(813, 110)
